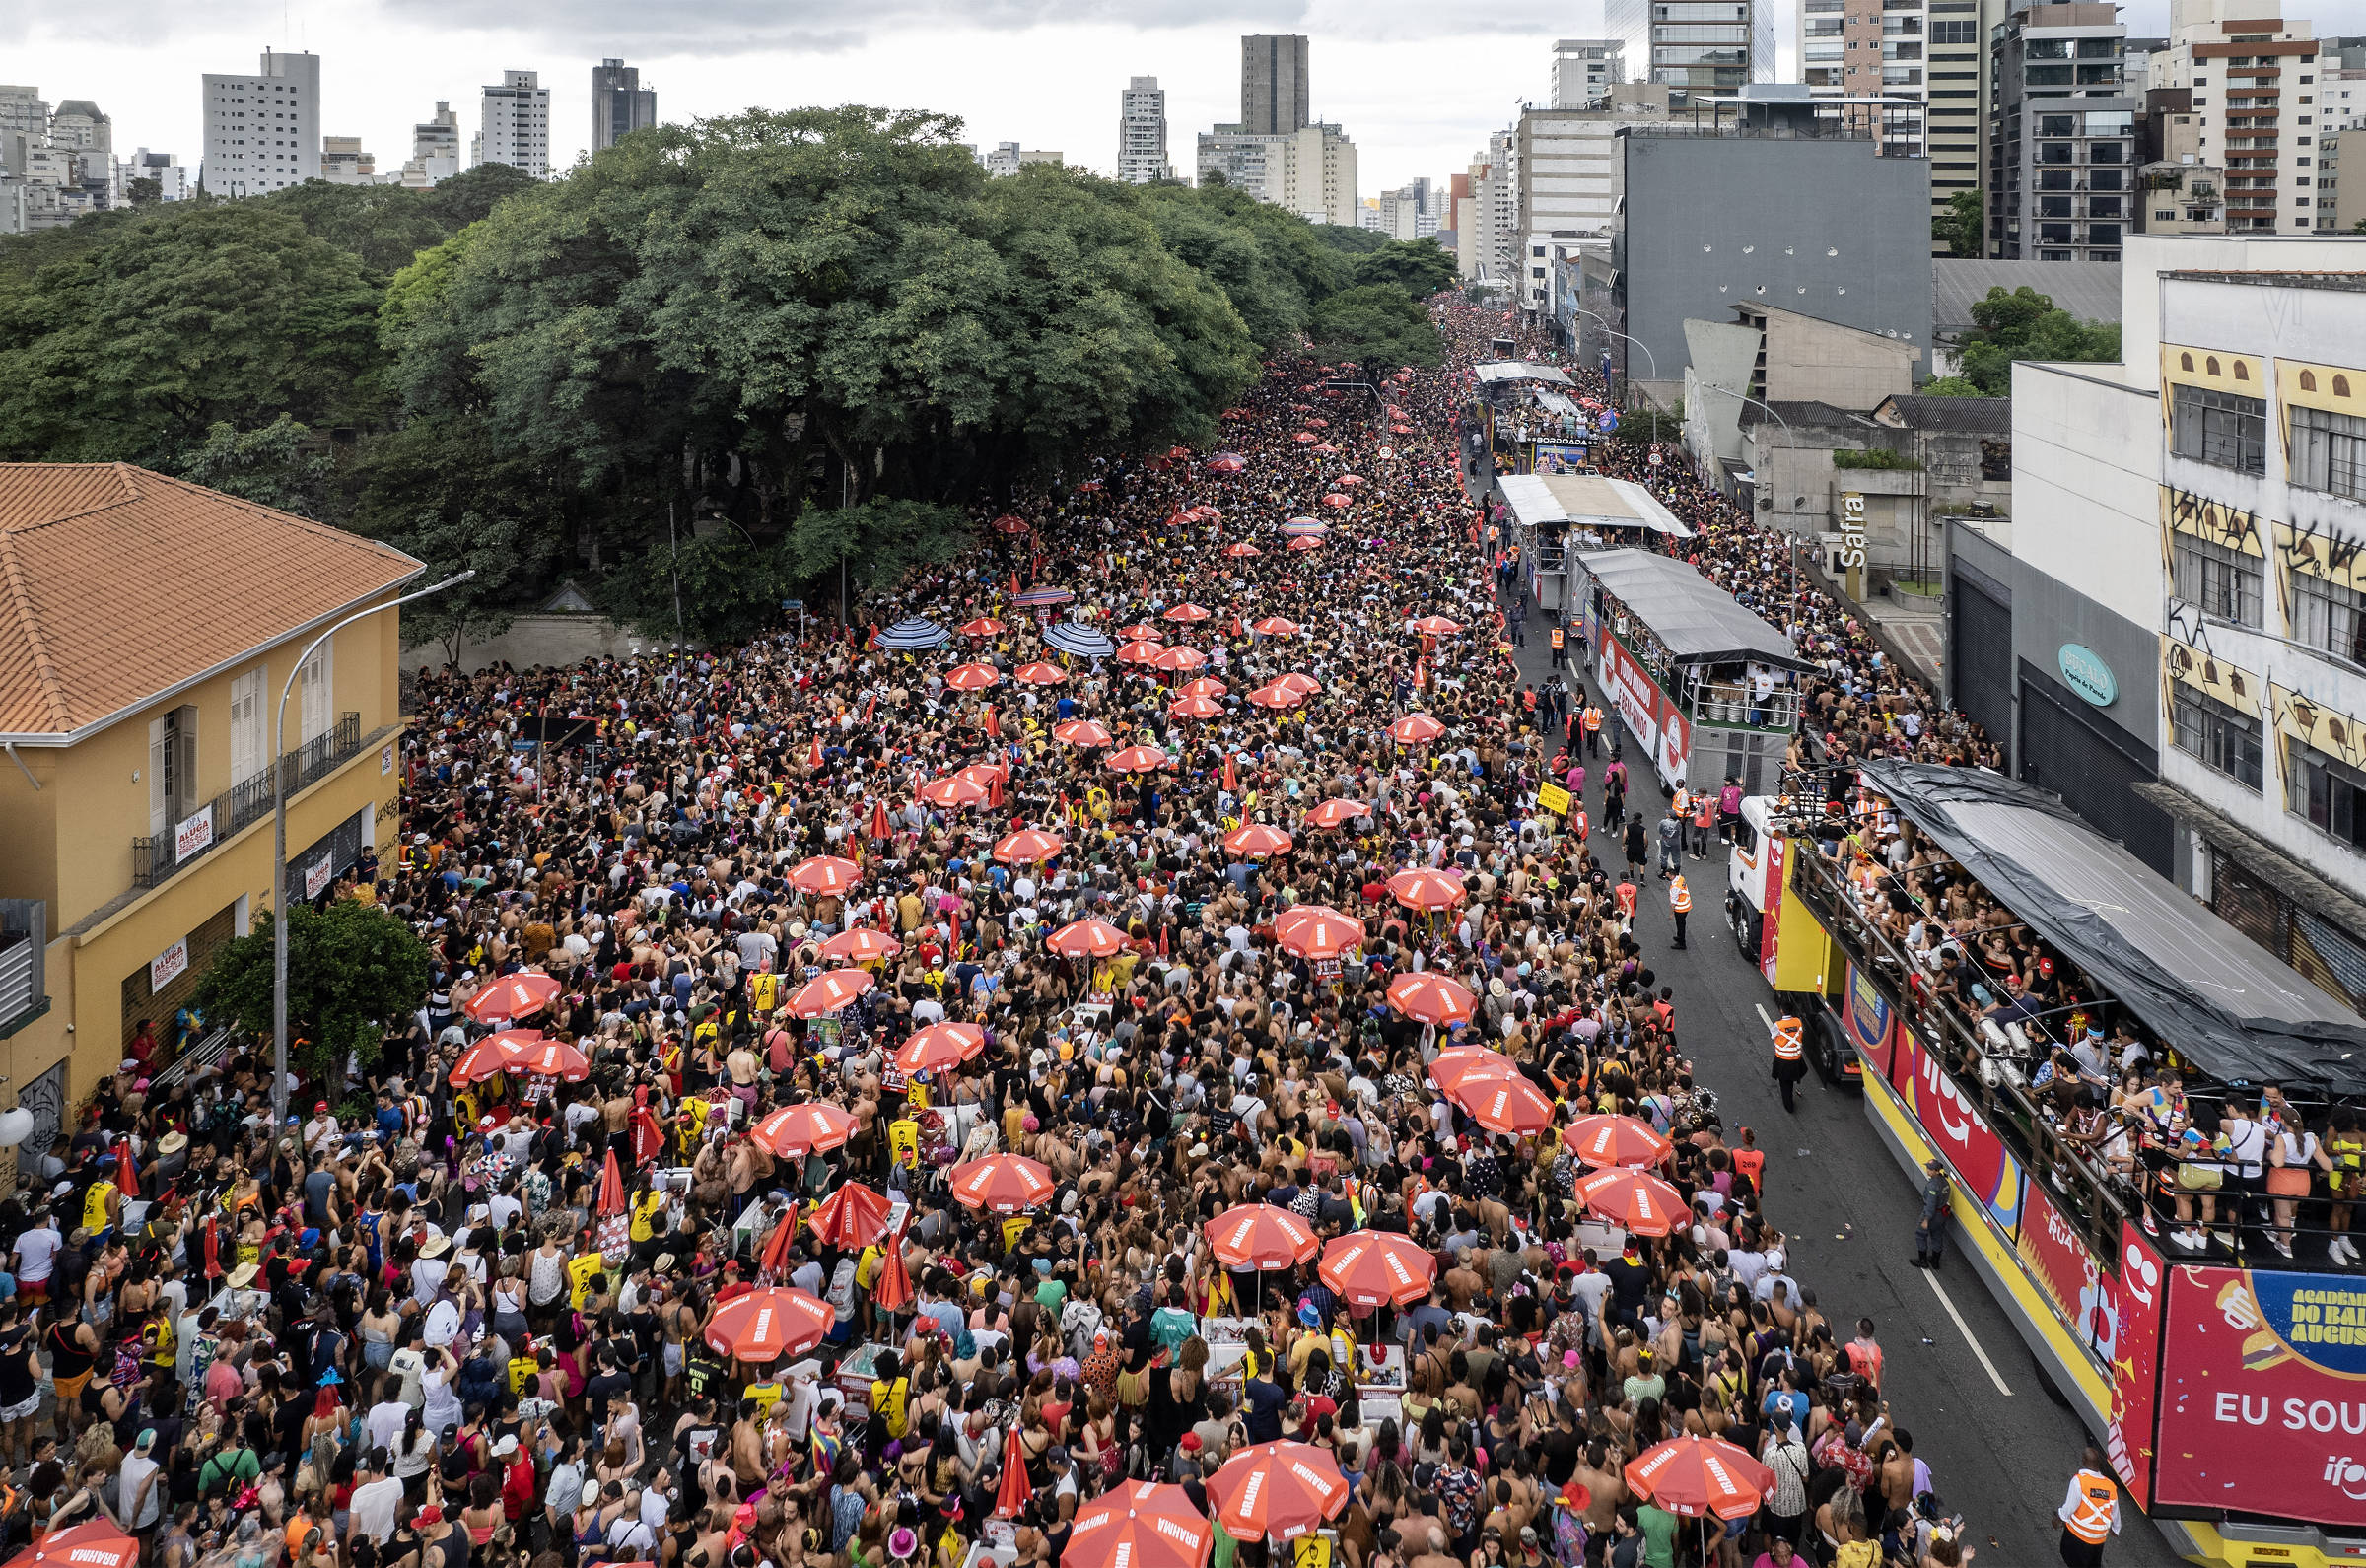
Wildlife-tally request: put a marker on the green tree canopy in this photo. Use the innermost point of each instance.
(716, 315)
(1418, 266)
(352, 970)
(1378, 326)
(2024, 324)
(1961, 228)
(199, 314)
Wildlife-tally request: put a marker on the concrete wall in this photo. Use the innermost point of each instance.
(1812, 360)
(533, 640)
(2086, 507)
(1823, 228)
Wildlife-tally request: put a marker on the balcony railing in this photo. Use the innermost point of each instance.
(158, 857)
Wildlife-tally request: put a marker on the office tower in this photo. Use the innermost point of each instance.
(262, 132)
(2061, 147)
(513, 124)
(1141, 134)
(2251, 74)
(1695, 45)
(1585, 69)
(619, 103)
(1274, 96)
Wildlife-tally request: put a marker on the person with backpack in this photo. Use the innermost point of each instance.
(230, 1466)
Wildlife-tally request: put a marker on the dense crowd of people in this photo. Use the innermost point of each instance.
(475, 1302)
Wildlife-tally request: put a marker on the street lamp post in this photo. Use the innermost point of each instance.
(1790, 547)
(280, 788)
(1649, 357)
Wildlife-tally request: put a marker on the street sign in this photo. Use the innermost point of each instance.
(793, 604)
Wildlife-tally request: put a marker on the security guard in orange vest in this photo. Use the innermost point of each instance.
(1592, 718)
(1790, 1056)
(1680, 904)
(2090, 1513)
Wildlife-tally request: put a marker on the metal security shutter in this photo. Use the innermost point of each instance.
(1981, 653)
(2248, 905)
(2092, 767)
(160, 1005)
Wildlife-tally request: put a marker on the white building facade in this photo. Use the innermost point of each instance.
(2254, 75)
(1141, 134)
(513, 124)
(2210, 489)
(262, 131)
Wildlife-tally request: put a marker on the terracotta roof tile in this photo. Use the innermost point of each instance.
(117, 584)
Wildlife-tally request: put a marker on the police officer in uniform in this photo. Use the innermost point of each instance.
(1938, 1209)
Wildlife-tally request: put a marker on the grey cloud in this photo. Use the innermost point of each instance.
(725, 27)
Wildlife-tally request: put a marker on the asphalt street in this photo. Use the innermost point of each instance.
(1957, 1378)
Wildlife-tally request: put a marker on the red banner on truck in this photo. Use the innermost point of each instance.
(1955, 1125)
(2263, 1394)
(2144, 1284)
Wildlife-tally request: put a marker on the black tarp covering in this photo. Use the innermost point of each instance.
(2217, 997)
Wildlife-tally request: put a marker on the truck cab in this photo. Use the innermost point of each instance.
(1790, 949)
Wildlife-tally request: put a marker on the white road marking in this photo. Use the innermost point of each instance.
(1763, 1019)
(1965, 1330)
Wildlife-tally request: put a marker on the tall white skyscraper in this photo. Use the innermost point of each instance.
(514, 125)
(262, 132)
(1141, 134)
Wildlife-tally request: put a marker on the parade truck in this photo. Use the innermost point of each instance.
(2225, 1381)
(1706, 689)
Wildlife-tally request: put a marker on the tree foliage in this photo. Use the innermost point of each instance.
(1377, 325)
(281, 465)
(2024, 324)
(199, 315)
(1951, 387)
(352, 970)
(808, 339)
(1418, 266)
(1962, 228)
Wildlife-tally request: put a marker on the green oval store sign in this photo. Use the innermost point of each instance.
(2087, 675)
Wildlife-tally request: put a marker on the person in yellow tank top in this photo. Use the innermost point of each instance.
(104, 1202)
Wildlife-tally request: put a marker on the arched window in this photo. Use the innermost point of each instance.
(2212, 365)
(2184, 361)
(2308, 380)
(2242, 371)
(2340, 386)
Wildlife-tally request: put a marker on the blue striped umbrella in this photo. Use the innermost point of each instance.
(914, 633)
(1041, 599)
(1075, 637)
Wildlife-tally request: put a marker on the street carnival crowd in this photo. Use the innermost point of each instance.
(883, 1107)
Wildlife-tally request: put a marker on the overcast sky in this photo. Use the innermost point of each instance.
(1416, 84)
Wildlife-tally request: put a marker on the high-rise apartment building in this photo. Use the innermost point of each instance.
(1695, 45)
(1141, 134)
(2252, 75)
(262, 132)
(1310, 171)
(2061, 148)
(513, 124)
(24, 112)
(1928, 52)
(435, 150)
(343, 162)
(172, 180)
(1585, 69)
(619, 103)
(1274, 100)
